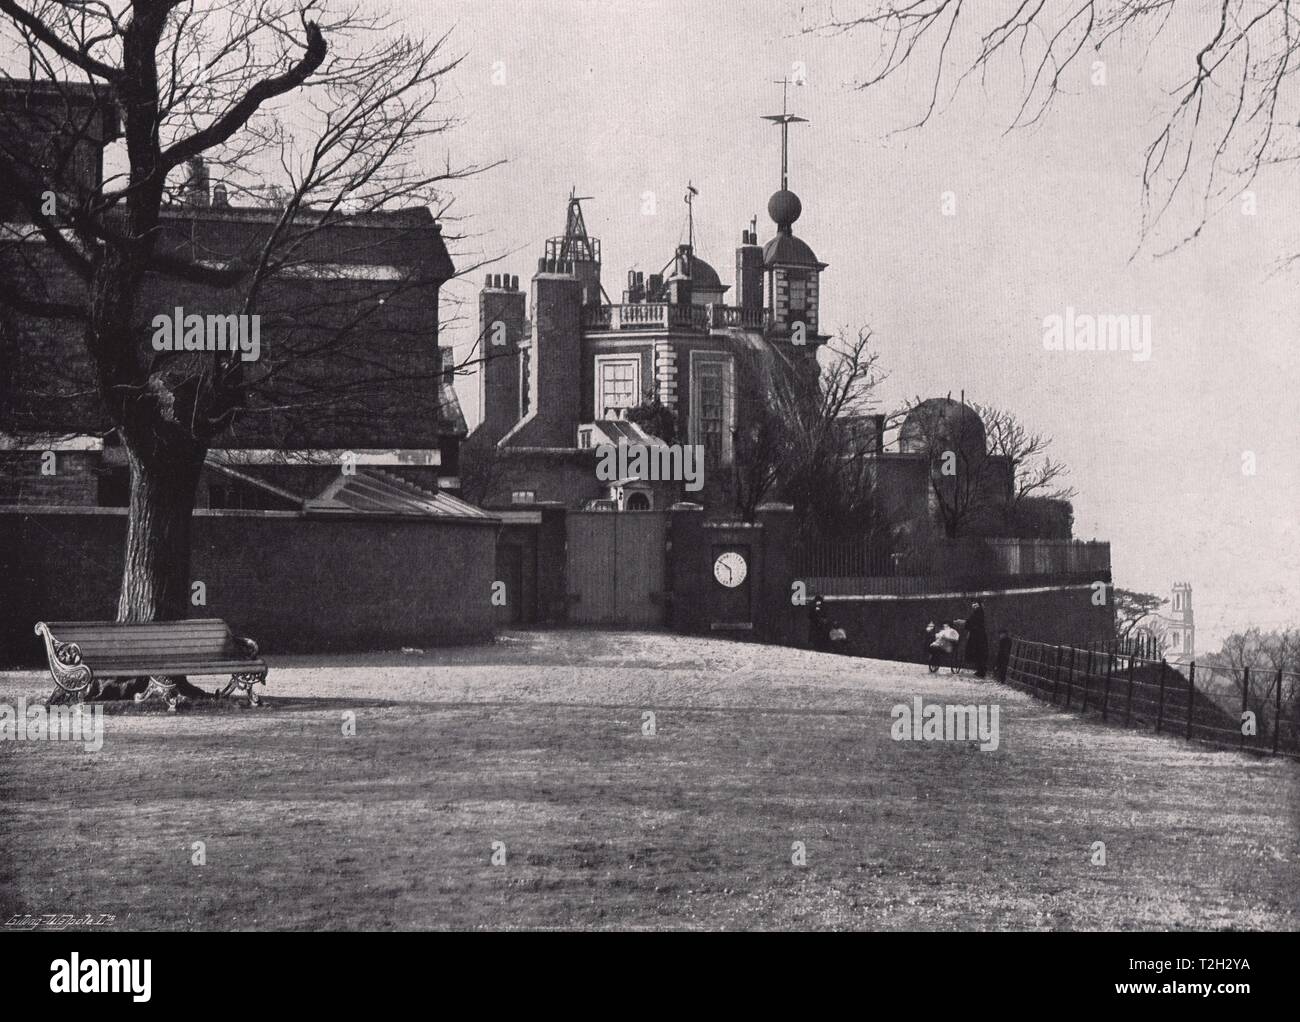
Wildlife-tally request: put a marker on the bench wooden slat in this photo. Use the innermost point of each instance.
(215, 621)
(76, 634)
(162, 656)
(110, 649)
(219, 643)
(131, 634)
(111, 668)
(196, 624)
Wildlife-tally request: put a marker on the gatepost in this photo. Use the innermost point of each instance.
(732, 577)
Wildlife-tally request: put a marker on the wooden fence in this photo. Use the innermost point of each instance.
(1254, 710)
(852, 566)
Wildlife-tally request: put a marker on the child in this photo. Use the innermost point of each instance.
(946, 638)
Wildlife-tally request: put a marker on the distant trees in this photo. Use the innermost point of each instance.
(1255, 660)
(1277, 650)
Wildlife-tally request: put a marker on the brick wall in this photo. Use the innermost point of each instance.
(565, 476)
(894, 628)
(890, 628)
(25, 482)
(294, 584)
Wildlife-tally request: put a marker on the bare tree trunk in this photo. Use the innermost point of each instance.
(156, 576)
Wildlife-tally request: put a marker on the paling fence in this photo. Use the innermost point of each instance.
(856, 565)
(1196, 703)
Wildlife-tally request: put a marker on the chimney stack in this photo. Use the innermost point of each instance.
(749, 272)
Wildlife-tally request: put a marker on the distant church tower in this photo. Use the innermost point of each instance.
(1181, 628)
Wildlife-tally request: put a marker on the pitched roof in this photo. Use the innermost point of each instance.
(377, 492)
(624, 431)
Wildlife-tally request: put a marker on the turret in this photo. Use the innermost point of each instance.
(578, 250)
(792, 270)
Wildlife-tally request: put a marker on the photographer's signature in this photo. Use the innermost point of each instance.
(56, 921)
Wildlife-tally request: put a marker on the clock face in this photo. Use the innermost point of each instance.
(730, 569)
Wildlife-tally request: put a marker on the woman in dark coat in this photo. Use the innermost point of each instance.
(977, 640)
(819, 627)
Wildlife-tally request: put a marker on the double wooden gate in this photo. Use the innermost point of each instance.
(615, 564)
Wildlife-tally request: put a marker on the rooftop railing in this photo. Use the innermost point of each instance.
(669, 316)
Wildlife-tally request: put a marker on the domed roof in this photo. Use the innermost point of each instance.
(787, 250)
(704, 277)
(938, 421)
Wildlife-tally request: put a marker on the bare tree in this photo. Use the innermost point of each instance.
(801, 439)
(1241, 650)
(985, 465)
(212, 82)
(1228, 116)
(1033, 472)
(1281, 649)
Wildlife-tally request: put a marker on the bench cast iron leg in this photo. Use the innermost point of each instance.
(244, 683)
(162, 687)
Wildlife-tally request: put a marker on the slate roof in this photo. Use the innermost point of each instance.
(377, 492)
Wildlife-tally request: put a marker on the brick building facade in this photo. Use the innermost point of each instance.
(350, 375)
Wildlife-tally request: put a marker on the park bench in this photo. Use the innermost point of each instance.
(81, 651)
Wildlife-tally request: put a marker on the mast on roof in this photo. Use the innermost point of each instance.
(691, 192)
(785, 119)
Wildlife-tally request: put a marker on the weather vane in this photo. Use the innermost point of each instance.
(691, 192)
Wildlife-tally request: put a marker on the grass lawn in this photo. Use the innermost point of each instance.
(536, 742)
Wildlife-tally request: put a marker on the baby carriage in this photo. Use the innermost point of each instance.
(944, 646)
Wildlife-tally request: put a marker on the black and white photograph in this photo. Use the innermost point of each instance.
(651, 465)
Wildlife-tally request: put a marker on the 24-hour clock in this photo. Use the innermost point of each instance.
(730, 569)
